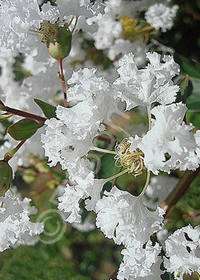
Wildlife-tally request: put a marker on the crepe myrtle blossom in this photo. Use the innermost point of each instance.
(139, 262)
(146, 86)
(84, 187)
(16, 227)
(17, 18)
(161, 16)
(108, 28)
(169, 144)
(183, 251)
(124, 218)
(70, 136)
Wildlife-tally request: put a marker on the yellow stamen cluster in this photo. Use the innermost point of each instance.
(132, 160)
(134, 29)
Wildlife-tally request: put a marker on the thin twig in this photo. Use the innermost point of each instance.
(10, 154)
(24, 114)
(62, 79)
(178, 192)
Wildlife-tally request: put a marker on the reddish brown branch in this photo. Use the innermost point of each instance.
(24, 114)
(106, 139)
(179, 191)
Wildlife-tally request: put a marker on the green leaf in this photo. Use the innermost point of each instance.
(194, 118)
(48, 109)
(6, 176)
(183, 83)
(4, 117)
(185, 88)
(193, 101)
(23, 129)
(193, 69)
(108, 167)
(190, 67)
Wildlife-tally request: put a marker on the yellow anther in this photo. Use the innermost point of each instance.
(132, 160)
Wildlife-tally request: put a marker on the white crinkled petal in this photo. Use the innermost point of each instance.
(149, 85)
(124, 218)
(183, 251)
(16, 227)
(138, 261)
(161, 16)
(69, 204)
(170, 144)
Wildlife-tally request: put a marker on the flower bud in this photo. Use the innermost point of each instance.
(57, 38)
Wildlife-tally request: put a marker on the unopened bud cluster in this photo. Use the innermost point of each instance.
(57, 38)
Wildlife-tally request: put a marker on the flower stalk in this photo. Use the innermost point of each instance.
(62, 80)
(12, 152)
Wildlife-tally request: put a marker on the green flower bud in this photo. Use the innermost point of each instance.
(29, 175)
(57, 38)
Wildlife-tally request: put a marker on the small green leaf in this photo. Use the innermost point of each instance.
(185, 88)
(183, 83)
(4, 117)
(6, 176)
(48, 109)
(194, 118)
(190, 67)
(193, 101)
(23, 129)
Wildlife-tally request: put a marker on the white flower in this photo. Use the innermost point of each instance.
(85, 188)
(183, 252)
(170, 144)
(17, 18)
(124, 218)
(138, 261)
(16, 227)
(161, 16)
(149, 85)
(164, 68)
(69, 204)
(108, 30)
(70, 137)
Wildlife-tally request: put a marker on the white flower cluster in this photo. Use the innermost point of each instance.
(161, 16)
(107, 34)
(146, 86)
(108, 31)
(169, 144)
(69, 137)
(16, 227)
(183, 251)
